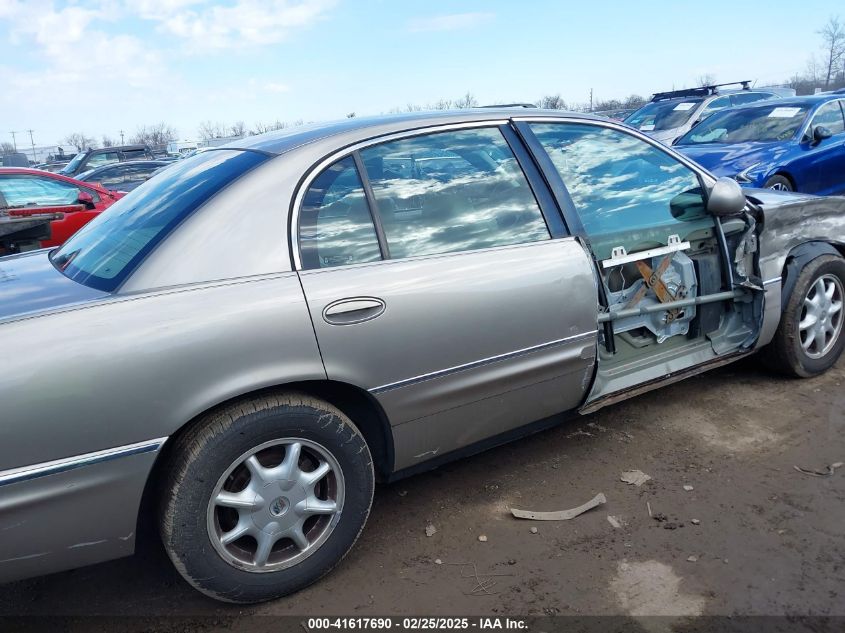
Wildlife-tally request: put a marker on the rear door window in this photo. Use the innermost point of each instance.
(714, 106)
(98, 160)
(451, 191)
(335, 224)
(110, 178)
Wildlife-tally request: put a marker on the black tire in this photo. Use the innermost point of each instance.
(201, 456)
(781, 183)
(785, 353)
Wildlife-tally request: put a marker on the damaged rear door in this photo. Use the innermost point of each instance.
(676, 284)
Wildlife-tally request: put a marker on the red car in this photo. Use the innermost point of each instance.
(39, 209)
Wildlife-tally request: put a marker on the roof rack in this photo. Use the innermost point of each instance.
(509, 105)
(703, 91)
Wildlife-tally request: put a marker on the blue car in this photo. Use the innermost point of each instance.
(794, 144)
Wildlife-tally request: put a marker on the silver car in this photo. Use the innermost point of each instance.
(255, 336)
(670, 115)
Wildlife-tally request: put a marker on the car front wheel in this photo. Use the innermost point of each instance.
(779, 183)
(809, 337)
(265, 497)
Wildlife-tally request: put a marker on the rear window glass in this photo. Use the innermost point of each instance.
(106, 250)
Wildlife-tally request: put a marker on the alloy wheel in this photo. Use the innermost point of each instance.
(275, 505)
(821, 316)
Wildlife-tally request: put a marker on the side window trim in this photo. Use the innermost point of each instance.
(329, 159)
(372, 205)
(539, 187)
(553, 179)
(812, 124)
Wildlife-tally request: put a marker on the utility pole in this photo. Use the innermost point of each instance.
(14, 141)
(591, 99)
(32, 142)
(121, 137)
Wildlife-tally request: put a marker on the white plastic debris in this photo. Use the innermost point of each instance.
(560, 515)
(430, 530)
(615, 522)
(634, 477)
(827, 472)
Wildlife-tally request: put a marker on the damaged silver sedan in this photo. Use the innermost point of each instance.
(254, 337)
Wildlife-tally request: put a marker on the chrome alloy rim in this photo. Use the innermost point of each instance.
(821, 316)
(779, 186)
(275, 505)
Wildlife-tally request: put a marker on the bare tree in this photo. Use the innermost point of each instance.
(80, 141)
(107, 141)
(158, 135)
(7, 148)
(633, 101)
(261, 128)
(552, 102)
(209, 129)
(833, 39)
(467, 101)
(238, 128)
(351, 115)
(707, 79)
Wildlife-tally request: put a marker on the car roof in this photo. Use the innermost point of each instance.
(806, 100)
(281, 141)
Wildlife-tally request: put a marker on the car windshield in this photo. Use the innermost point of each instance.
(106, 250)
(765, 123)
(73, 164)
(663, 115)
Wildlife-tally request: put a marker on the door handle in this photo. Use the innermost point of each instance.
(353, 310)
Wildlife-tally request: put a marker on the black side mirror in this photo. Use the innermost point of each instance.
(820, 133)
(726, 198)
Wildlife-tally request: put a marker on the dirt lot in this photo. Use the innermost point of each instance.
(769, 540)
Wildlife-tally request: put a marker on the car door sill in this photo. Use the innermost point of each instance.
(668, 379)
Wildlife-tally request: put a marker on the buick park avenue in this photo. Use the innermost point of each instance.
(258, 334)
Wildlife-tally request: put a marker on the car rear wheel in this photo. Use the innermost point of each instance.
(779, 183)
(809, 338)
(265, 497)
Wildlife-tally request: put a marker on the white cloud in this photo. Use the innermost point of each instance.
(203, 25)
(451, 22)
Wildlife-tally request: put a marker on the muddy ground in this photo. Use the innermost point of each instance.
(769, 540)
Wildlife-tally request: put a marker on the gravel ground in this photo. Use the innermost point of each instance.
(745, 533)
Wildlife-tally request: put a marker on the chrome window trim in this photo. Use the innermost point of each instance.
(440, 373)
(695, 167)
(773, 280)
(317, 168)
(422, 258)
(34, 471)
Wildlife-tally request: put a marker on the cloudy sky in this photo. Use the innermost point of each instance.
(101, 66)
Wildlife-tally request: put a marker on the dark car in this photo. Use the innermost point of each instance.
(793, 144)
(91, 158)
(123, 176)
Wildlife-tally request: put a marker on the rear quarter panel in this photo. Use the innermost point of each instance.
(127, 369)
